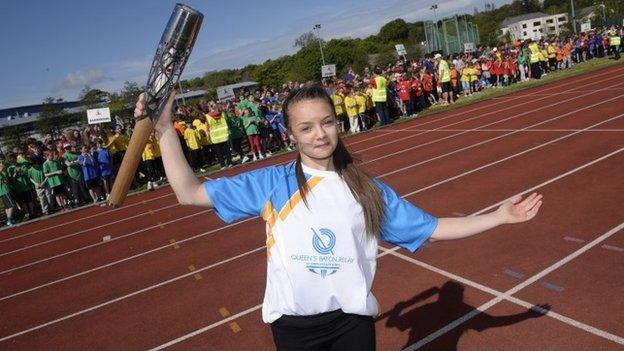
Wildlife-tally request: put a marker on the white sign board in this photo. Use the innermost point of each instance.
(400, 49)
(98, 115)
(328, 71)
(469, 47)
(225, 93)
(585, 27)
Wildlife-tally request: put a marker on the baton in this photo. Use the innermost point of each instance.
(172, 53)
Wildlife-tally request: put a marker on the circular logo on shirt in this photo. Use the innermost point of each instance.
(323, 241)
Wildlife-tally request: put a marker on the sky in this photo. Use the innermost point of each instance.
(57, 47)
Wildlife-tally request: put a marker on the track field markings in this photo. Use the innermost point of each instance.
(152, 287)
(553, 287)
(491, 139)
(513, 273)
(197, 276)
(98, 243)
(573, 239)
(97, 214)
(174, 244)
(233, 325)
(613, 248)
(81, 232)
(486, 289)
(508, 294)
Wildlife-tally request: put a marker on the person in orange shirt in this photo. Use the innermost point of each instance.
(559, 56)
(180, 127)
(427, 84)
(567, 54)
(454, 81)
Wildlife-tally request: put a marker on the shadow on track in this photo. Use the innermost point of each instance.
(428, 318)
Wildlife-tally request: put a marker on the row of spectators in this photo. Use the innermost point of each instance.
(78, 167)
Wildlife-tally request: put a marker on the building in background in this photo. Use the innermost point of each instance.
(533, 25)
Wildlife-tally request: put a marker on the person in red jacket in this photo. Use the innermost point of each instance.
(417, 94)
(404, 86)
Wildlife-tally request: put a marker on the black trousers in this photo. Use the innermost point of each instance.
(536, 70)
(330, 331)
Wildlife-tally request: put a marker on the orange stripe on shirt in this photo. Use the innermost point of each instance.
(296, 198)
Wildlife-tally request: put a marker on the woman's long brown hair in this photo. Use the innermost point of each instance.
(362, 186)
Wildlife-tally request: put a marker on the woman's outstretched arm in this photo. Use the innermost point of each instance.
(512, 211)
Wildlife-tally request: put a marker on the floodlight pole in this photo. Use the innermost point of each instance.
(434, 7)
(317, 27)
(573, 16)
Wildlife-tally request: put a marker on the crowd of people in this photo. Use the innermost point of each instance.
(78, 167)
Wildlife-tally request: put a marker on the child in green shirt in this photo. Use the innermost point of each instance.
(39, 181)
(53, 170)
(6, 192)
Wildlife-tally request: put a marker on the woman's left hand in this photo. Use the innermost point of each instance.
(516, 211)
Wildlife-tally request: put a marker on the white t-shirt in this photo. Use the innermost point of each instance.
(319, 256)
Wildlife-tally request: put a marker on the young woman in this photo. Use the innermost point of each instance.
(321, 265)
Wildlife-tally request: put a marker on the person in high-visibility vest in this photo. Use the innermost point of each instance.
(552, 56)
(444, 77)
(536, 71)
(219, 134)
(614, 42)
(380, 84)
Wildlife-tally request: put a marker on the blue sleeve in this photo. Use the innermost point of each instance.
(243, 195)
(406, 225)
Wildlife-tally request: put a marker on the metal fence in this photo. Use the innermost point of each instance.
(450, 34)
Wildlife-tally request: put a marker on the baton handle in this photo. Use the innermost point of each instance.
(140, 135)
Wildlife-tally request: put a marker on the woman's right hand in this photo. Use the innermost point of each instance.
(164, 121)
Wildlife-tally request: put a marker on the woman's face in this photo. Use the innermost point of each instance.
(313, 127)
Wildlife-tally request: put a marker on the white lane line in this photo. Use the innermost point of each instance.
(481, 287)
(528, 111)
(493, 139)
(505, 159)
(505, 296)
(507, 130)
(98, 243)
(489, 124)
(84, 231)
(152, 287)
(124, 259)
(138, 203)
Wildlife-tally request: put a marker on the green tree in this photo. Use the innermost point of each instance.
(91, 97)
(13, 136)
(306, 39)
(47, 120)
(394, 31)
(130, 93)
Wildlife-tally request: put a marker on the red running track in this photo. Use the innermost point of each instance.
(177, 277)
